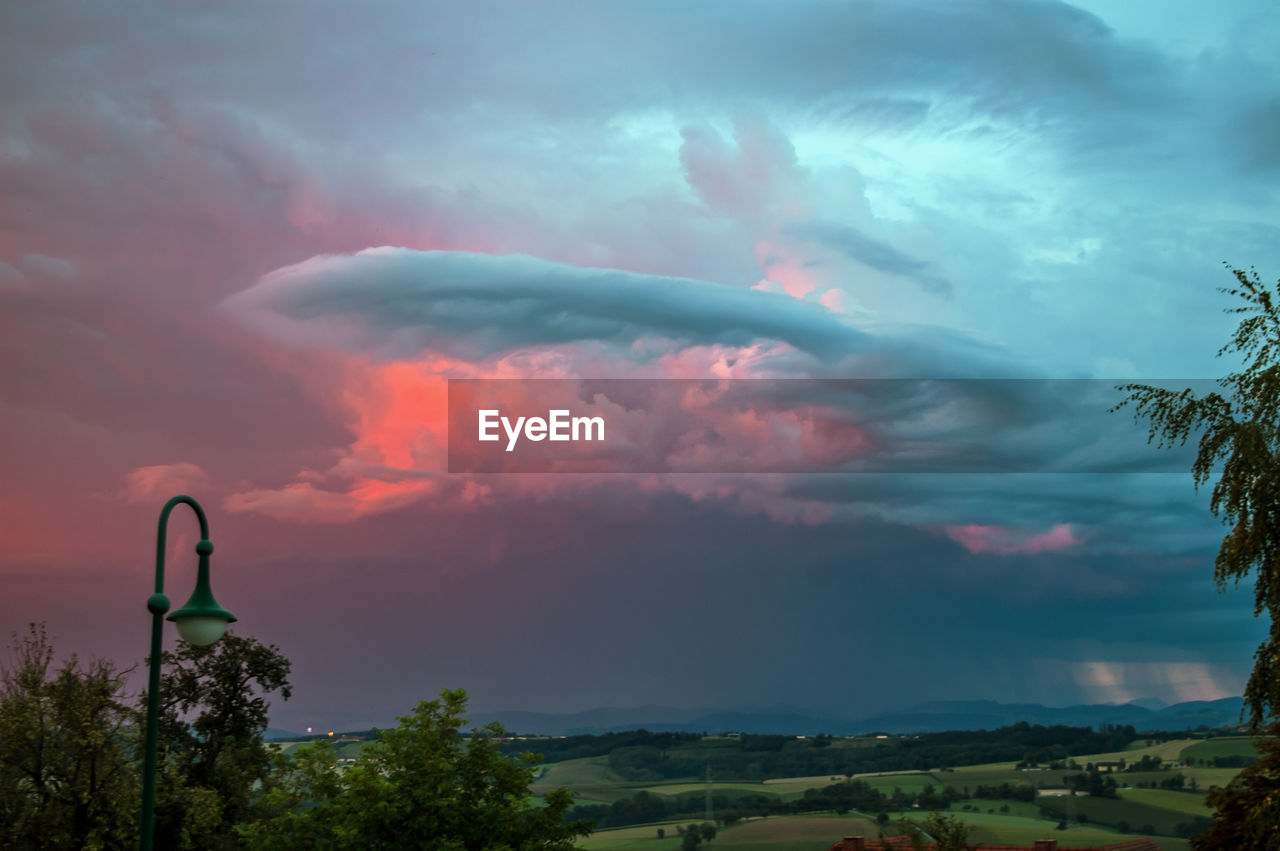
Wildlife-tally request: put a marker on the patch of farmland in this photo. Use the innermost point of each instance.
(996, 773)
(643, 837)
(1168, 751)
(1189, 803)
(1211, 748)
(813, 780)
(734, 788)
(1206, 777)
(1114, 812)
(910, 784)
(586, 771)
(996, 806)
(792, 833)
(1011, 829)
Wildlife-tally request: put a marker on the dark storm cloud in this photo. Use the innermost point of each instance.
(841, 603)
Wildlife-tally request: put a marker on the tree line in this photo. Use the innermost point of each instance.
(70, 765)
(652, 757)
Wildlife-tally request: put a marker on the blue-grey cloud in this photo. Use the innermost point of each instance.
(476, 305)
(873, 253)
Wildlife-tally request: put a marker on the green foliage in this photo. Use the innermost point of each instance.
(214, 764)
(949, 833)
(1240, 429)
(421, 785)
(66, 778)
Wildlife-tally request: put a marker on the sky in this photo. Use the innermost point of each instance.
(243, 248)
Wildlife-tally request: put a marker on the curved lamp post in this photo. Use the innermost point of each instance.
(200, 621)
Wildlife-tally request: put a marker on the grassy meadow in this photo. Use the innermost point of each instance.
(1155, 812)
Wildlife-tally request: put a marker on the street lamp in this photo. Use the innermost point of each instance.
(200, 621)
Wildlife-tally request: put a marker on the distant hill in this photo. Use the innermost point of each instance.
(932, 717)
(274, 735)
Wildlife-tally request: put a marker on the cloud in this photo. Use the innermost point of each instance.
(400, 302)
(1070, 177)
(871, 252)
(48, 267)
(1001, 540)
(751, 179)
(161, 481)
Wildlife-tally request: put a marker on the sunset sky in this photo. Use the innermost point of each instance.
(242, 247)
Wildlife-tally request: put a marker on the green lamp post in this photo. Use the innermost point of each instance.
(200, 621)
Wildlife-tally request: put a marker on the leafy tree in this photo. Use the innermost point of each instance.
(214, 762)
(949, 832)
(1239, 428)
(421, 785)
(66, 777)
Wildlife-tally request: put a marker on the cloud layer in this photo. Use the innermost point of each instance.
(241, 253)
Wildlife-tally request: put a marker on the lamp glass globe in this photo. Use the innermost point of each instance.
(201, 631)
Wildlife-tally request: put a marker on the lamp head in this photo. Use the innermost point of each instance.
(201, 621)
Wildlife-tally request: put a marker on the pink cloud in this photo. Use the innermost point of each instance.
(1004, 540)
(753, 177)
(160, 481)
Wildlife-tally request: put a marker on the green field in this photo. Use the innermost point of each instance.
(1211, 748)
(778, 833)
(641, 837)
(818, 832)
(1115, 812)
(1169, 799)
(993, 806)
(1206, 777)
(588, 771)
(997, 773)
(909, 783)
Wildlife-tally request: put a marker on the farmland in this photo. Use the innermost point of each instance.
(1144, 787)
(635, 784)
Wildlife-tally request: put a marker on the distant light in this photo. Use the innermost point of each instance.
(330, 732)
(308, 729)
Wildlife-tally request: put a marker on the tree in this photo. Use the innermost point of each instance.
(66, 776)
(420, 785)
(1239, 427)
(215, 765)
(949, 833)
